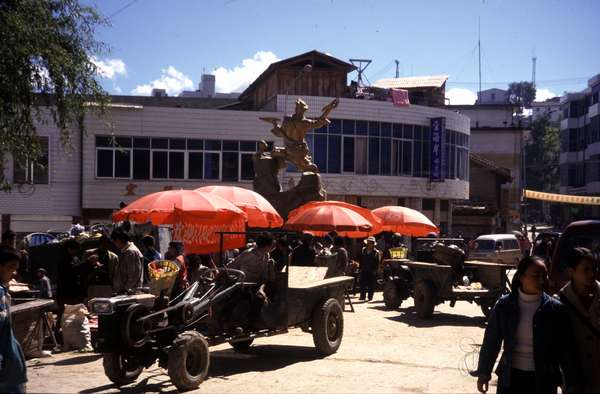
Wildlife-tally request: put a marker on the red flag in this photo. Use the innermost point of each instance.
(400, 97)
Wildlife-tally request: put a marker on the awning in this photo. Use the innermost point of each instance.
(562, 198)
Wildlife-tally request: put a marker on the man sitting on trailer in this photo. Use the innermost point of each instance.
(257, 265)
(260, 272)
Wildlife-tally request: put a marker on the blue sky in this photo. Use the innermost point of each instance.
(168, 44)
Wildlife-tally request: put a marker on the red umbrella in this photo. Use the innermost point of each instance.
(364, 212)
(405, 221)
(321, 217)
(197, 218)
(260, 212)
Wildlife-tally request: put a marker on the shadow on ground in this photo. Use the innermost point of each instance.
(409, 317)
(223, 364)
(77, 360)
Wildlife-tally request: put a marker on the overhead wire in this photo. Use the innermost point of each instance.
(117, 12)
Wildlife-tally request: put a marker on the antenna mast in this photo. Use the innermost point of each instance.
(479, 48)
(397, 68)
(534, 60)
(361, 65)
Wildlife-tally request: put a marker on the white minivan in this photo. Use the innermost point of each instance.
(496, 248)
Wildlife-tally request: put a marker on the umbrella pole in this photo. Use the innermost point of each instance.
(221, 249)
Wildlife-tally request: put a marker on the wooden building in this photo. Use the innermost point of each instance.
(326, 77)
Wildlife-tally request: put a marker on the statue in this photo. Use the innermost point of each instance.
(293, 130)
(266, 168)
(267, 164)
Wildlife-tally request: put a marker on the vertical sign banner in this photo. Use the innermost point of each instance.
(438, 131)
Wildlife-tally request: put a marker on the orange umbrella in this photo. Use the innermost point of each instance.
(159, 207)
(364, 212)
(196, 217)
(260, 212)
(405, 221)
(319, 217)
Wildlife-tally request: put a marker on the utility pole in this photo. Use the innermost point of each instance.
(479, 49)
(397, 68)
(361, 65)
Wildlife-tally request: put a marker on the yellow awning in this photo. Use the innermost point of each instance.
(562, 198)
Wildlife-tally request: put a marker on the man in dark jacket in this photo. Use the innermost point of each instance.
(369, 264)
(304, 254)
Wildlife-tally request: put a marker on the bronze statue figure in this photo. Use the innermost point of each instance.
(293, 130)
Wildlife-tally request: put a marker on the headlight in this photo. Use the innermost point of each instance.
(101, 307)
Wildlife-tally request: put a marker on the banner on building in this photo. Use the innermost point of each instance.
(562, 198)
(437, 135)
(400, 97)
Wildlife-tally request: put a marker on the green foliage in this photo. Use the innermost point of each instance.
(522, 93)
(542, 153)
(46, 72)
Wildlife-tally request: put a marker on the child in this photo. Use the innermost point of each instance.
(581, 297)
(13, 373)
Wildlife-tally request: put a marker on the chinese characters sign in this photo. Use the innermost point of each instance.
(438, 131)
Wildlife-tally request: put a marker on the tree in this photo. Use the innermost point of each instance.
(542, 156)
(522, 93)
(46, 63)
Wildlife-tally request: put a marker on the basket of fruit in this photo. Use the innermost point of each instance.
(163, 274)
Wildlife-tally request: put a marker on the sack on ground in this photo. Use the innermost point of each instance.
(76, 328)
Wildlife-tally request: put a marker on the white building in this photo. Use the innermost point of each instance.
(580, 144)
(371, 154)
(493, 96)
(206, 89)
(549, 108)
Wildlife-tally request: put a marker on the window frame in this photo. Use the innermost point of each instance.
(30, 166)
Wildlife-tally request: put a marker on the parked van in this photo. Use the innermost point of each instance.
(496, 248)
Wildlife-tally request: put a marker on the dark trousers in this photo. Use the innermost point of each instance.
(368, 280)
(524, 382)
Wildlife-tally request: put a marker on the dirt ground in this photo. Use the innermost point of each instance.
(382, 351)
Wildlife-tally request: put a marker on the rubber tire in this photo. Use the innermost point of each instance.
(188, 343)
(320, 324)
(116, 372)
(242, 346)
(424, 297)
(134, 311)
(391, 299)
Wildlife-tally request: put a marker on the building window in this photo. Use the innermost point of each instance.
(428, 204)
(174, 158)
(34, 172)
(113, 157)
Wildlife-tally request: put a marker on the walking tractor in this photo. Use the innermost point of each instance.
(441, 273)
(135, 331)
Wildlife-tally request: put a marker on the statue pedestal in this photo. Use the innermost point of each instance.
(309, 188)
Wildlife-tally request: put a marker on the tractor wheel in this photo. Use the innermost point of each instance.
(242, 346)
(328, 327)
(391, 298)
(120, 369)
(132, 331)
(188, 360)
(424, 297)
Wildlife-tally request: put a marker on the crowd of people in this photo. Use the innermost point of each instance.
(546, 340)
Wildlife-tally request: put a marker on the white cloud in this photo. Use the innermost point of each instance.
(238, 78)
(544, 94)
(171, 79)
(110, 68)
(117, 89)
(458, 96)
